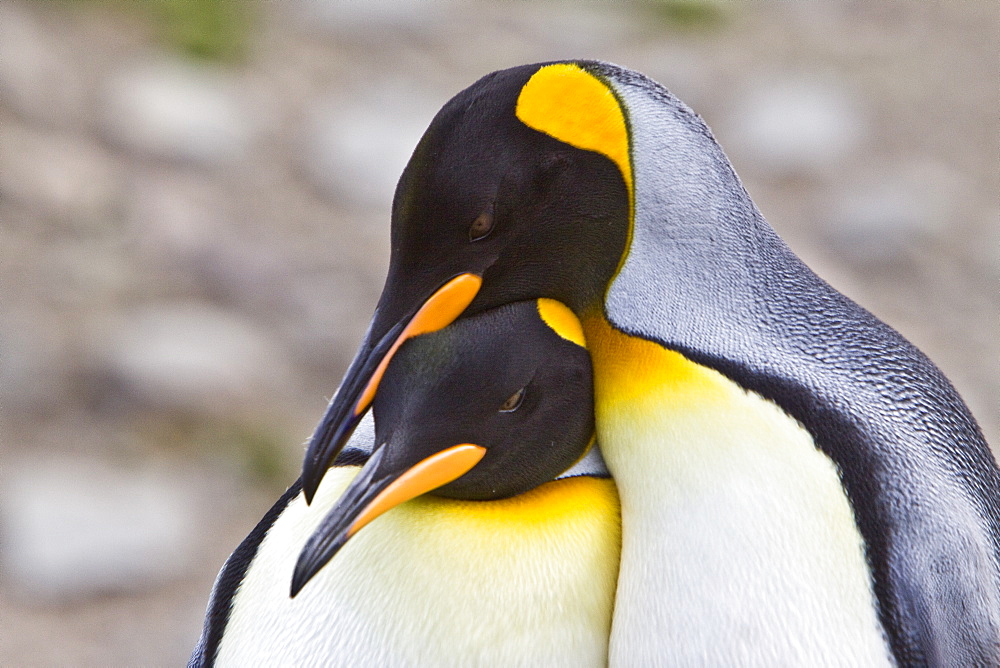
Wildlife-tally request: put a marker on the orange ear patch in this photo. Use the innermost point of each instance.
(570, 104)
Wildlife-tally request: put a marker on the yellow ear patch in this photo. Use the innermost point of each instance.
(571, 105)
(562, 321)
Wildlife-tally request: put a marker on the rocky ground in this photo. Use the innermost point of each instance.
(190, 250)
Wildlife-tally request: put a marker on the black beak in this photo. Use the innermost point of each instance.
(356, 391)
(377, 488)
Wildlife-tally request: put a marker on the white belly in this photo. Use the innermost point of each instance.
(739, 543)
(522, 582)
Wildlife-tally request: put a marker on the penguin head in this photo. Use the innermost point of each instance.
(488, 191)
(515, 381)
(519, 189)
(491, 407)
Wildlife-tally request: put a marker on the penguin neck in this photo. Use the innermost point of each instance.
(720, 494)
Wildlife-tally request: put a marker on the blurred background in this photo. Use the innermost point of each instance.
(194, 206)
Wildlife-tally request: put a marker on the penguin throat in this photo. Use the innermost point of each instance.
(627, 368)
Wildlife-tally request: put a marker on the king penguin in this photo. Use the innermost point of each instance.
(799, 484)
(512, 562)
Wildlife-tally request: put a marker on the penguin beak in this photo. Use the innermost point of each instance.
(374, 491)
(386, 334)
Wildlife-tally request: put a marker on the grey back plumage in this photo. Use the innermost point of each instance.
(718, 285)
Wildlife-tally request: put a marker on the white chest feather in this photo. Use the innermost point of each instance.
(522, 582)
(739, 543)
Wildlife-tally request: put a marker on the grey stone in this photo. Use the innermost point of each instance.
(67, 177)
(331, 318)
(191, 357)
(588, 28)
(172, 214)
(177, 110)
(988, 252)
(796, 123)
(356, 148)
(351, 17)
(884, 210)
(34, 359)
(38, 76)
(75, 528)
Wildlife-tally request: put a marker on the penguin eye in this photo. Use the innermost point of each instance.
(481, 226)
(513, 402)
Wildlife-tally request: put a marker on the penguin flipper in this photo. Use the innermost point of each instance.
(229, 579)
(946, 602)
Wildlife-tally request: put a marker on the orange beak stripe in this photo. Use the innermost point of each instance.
(439, 311)
(437, 470)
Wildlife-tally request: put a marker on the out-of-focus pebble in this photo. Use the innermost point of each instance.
(355, 149)
(37, 76)
(73, 528)
(795, 124)
(189, 356)
(176, 110)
